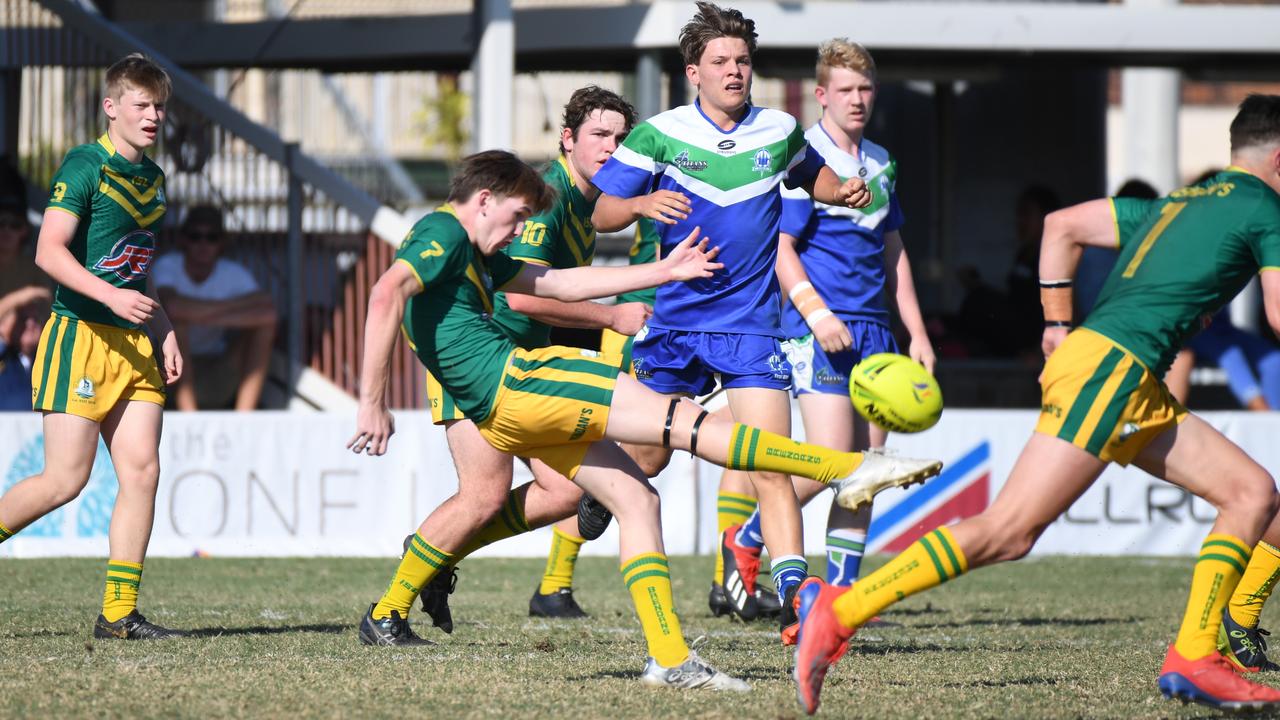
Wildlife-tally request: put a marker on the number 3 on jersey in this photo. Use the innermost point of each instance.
(1167, 214)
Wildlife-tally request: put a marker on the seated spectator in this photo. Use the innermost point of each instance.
(1252, 364)
(20, 280)
(18, 343)
(225, 323)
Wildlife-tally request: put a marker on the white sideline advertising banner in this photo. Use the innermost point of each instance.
(283, 484)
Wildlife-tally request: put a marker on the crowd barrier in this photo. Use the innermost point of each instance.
(283, 484)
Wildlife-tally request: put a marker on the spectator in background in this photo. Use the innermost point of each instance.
(20, 280)
(18, 344)
(225, 323)
(1252, 364)
(1008, 324)
(1096, 262)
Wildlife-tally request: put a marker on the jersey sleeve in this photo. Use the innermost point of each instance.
(631, 169)
(537, 244)
(434, 257)
(798, 213)
(74, 183)
(503, 269)
(1130, 214)
(1266, 234)
(803, 161)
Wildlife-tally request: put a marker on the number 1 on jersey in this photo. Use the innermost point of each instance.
(1167, 214)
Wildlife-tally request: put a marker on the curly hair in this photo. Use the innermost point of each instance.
(711, 22)
(589, 99)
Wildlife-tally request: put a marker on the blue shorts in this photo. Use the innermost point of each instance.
(680, 361)
(814, 371)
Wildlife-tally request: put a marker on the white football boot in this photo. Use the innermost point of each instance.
(693, 674)
(881, 470)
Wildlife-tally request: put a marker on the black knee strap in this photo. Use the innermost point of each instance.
(671, 418)
(693, 436)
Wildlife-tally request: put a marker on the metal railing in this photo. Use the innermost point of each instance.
(311, 237)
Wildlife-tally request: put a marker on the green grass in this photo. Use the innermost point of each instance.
(1061, 637)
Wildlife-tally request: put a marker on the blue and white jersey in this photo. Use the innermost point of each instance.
(842, 249)
(732, 179)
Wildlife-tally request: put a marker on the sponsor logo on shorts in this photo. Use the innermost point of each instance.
(84, 388)
(831, 377)
(1128, 431)
(584, 422)
(778, 366)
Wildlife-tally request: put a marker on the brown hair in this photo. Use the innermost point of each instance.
(1257, 122)
(503, 174)
(844, 53)
(711, 22)
(589, 99)
(138, 71)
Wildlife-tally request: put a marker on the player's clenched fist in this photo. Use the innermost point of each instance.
(628, 318)
(854, 193)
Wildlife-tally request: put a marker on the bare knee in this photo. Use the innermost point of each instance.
(63, 487)
(144, 478)
(651, 460)
(1253, 496)
(641, 502)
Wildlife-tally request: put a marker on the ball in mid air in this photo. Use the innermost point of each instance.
(896, 393)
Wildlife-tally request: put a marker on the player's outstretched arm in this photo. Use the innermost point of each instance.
(827, 187)
(613, 213)
(828, 329)
(387, 299)
(53, 255)
(902, 288)
(690, 260)
(623, 318)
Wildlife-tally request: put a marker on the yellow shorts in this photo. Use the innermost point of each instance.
(1098, 397)
(618, 344)
(552, 404)
(85, 368)
(442, 407)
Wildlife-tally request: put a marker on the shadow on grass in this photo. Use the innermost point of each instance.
(1025, 622)
(328, 629)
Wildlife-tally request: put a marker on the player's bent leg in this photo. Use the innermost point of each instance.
(608, 474)
(1048, 476)
(1196, 457)
(132, 434)
(1240, 639)
(70, 444)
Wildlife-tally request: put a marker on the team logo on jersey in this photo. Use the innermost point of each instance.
(129, 259)
(725, 146)
(763, 162)
(884, 185)
(683, 162)
(84, 388)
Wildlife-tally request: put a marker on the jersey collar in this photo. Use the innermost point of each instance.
(105, 142)
(697, 103)
(568, 171)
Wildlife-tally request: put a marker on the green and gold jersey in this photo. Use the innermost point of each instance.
(562, 237)
(119, 204)
(1184, 256)
(449, 324)
(643, 250)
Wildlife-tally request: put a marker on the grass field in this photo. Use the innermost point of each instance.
(278, 637)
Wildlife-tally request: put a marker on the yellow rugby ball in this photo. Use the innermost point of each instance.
(896, 393)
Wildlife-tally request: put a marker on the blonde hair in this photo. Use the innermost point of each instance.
(136, 70)
(844, 53)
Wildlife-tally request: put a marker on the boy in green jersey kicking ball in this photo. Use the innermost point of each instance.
(564, 406)
(1181, 257)
(95, 372)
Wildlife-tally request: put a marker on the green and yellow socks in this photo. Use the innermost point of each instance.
(1259, 579)
(928, 562)
(420, 563)
(648, 579)
(731, 509)
(5, 533)
(121, 595)
(509, 523)
(1222, 561)
(755, 450)
(560, 562)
